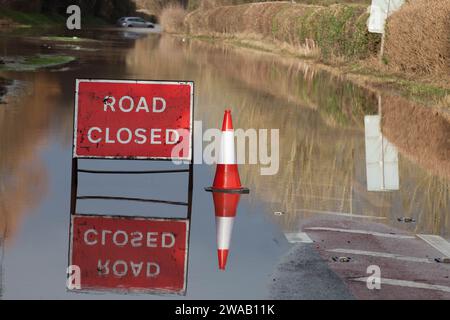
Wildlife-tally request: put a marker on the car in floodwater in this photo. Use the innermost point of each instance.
(134, 22)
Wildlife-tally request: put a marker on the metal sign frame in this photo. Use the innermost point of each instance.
(76, 170)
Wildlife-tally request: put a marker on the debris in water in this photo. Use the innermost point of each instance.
(442, 260)
(341, 259)
(406, 220)
(10, 88)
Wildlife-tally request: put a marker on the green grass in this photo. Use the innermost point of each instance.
(47, 60)
(418, 91)
(31, 18)
(65, 39)
(422, 92)
(339, 30)
(35, 62)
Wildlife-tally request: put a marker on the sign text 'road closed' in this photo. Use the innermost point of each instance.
(133, 119)
(130, 254)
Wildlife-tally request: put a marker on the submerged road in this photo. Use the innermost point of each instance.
(332, 258)
(322, 169)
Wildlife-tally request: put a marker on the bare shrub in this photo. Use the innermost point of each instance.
(155, 6)
(172, 18)
(418, 38)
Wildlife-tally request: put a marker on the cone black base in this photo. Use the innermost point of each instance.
(238, 190)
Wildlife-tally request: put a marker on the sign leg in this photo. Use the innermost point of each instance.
(74, 186)
(190, 189)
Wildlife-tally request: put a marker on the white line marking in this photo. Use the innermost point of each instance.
(343, 214)
(378, 234)
(296, 237)
(410, 284)
(381, 255)
(437, 242)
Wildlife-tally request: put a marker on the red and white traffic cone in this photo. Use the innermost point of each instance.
(226, 190)
(227, 175)
(225, 207)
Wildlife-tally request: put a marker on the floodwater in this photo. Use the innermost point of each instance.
(322, 170)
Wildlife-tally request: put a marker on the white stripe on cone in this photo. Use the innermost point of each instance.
(224, 228)
(226, 154)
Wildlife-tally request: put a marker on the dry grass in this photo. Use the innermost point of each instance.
(195, 4)
(418, 38)
(172, 18)
(155, 6)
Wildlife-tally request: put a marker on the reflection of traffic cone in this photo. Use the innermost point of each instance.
(225, 207)
(227, 174)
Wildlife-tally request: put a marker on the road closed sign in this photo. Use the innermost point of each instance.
(129, 254)
(133, 119)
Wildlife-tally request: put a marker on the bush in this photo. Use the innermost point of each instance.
(338, 30)
(195, 4)
(418, 38)
(172, 18)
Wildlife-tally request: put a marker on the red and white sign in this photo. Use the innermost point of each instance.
(130, 254)
(133, 119)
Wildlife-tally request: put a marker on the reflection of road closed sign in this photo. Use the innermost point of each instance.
(130, 254)
(133, 119)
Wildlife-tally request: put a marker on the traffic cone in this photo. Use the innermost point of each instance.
(227, 175)
(225, 207)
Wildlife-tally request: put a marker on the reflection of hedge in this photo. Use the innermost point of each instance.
(3, 84)
(338, 30)
(340, 103)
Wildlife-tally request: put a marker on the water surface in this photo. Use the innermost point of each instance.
(322, 160)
